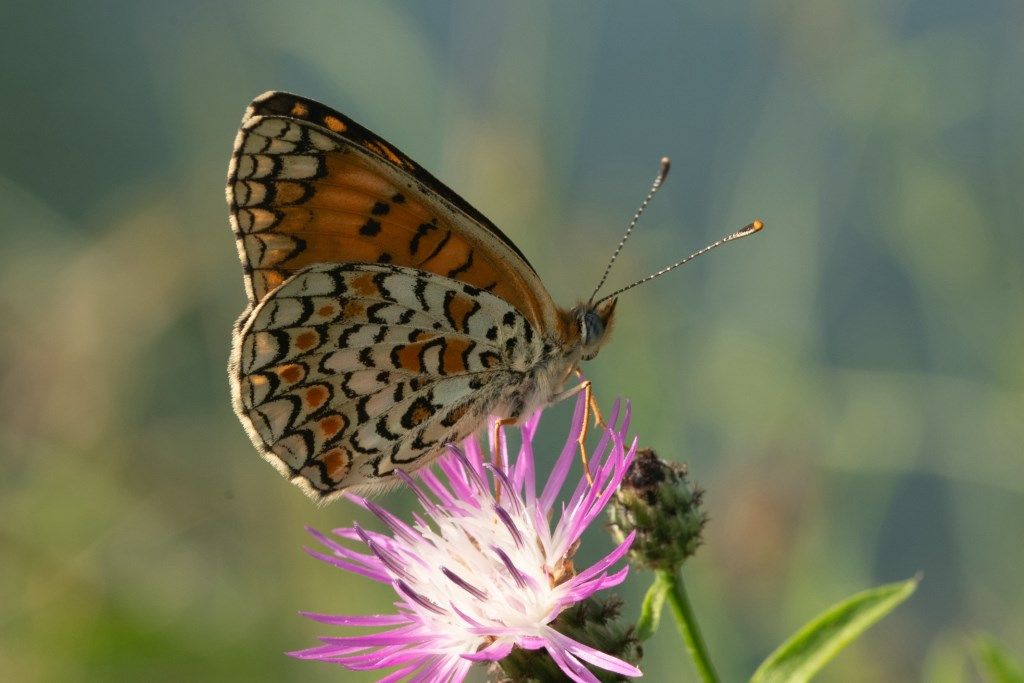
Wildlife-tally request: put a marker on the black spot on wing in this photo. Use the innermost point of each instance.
(382, 429)
(420, 289)
(295, 408)
(321, 366)
(454, 272)
(489, 359)
(345, 388)
(283, 342)
(396, 359)
(356, 446)
(373, 309)
(361, 415)
(273, 381)
(422, 230)
(370, 228)
(418, 412)
(321, 468)
(308, 442)
(379, 280)
(439, 247)
(346, 333)
(337, 276)
(437, 341)
(420, 445)
(465, 354)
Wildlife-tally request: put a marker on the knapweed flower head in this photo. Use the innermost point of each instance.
(486, 567)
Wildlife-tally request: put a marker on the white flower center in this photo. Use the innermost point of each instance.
(479, 570)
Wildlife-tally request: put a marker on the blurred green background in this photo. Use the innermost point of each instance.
(848, 386)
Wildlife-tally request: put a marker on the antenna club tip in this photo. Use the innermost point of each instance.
(666, 164)
(747, 230)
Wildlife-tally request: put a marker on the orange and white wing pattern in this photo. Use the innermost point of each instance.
(348, 371)
(307, 185)
(386, 315)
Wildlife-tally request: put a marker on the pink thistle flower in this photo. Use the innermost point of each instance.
(480, 573)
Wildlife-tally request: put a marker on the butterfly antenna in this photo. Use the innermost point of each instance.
(744, 232)
(666, 164)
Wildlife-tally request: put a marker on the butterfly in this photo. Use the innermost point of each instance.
(386, 317)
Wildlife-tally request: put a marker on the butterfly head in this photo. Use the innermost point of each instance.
(595, 325)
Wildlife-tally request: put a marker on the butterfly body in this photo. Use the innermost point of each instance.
(386, 316)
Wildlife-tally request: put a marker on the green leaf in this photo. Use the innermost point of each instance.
(814, 645)
(650, 610)
(995, 661)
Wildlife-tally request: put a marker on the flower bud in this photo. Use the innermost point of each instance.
(657, 501)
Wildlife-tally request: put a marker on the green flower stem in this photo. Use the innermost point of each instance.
(687, 623)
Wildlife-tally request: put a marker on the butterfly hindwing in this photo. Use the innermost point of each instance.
(347, 371)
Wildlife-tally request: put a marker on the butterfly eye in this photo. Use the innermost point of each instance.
(592, 327)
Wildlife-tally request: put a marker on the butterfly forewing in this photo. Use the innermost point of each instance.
(308, 185)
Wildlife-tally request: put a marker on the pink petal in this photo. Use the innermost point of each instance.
(499, 649)
(358, 620)
(526, 476)
(454, 471)
(572, 668)
(321, 652)
(591, 655)
(371, 572)
(607, 561)
(436, 487)
(564, 462)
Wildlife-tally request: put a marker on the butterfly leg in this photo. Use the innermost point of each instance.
(591, 404)
(496, 452)
(593, 408)
(499, 461)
